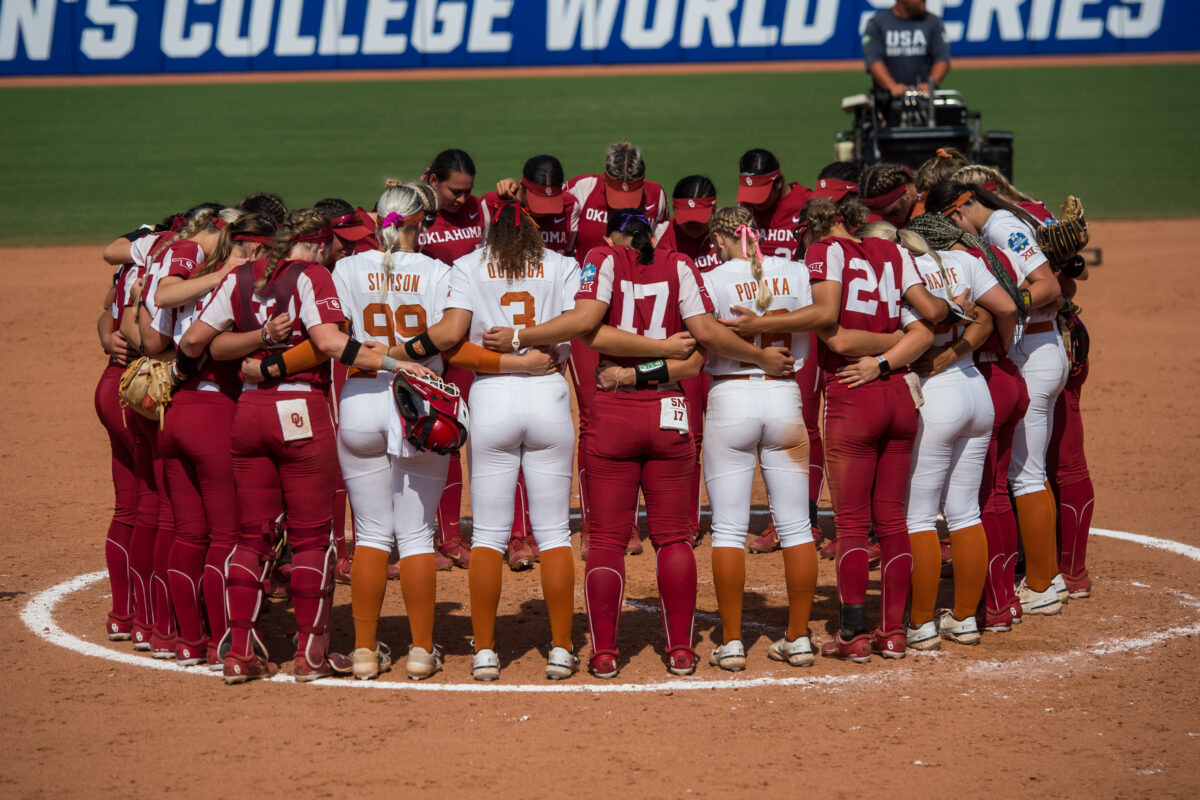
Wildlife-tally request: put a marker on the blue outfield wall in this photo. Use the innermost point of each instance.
(63, 37)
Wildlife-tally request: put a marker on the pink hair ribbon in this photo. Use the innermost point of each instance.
(748, 234)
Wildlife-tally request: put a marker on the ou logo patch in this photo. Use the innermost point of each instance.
(691, 203)
(549, 191)
(749, 181)
(624, 187)
(297, 421)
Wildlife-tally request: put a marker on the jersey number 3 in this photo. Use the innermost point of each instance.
(528, 317)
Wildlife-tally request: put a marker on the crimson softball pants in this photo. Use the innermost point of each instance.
(696, 391)
(197, 448)
(1010, 399)
(869, 434)
(630, 451)
(583, 363)
(272, 473)
(1070, 478)
(153, 532)
(809, 379)
(115, 420)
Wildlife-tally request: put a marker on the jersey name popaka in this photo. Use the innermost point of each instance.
(733, 284)
(537, 293)
(392, 307)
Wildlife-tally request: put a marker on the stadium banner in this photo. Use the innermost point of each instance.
(63, 37)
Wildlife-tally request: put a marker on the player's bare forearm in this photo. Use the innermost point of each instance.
(173, 291)
(119, 252)
(584, 318)
(451, 329)
(614, 341)
(228, 345)
(915, 341)
(1044, 291)
(855, 343)
(712, 335)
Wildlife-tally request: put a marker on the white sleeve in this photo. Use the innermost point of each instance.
(1015, 237)
(441, 293)
(218, 312)
(908, 315)
(604, 281)
(342, 288)
(459, 287)
(835, 263)
(691, 299)
(979, 276)
(806, 298)
(307, 299)
(910, 276)
(570, 285)
(140, 249)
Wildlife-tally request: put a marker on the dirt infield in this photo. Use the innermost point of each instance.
(574, 71)
(1099, 701)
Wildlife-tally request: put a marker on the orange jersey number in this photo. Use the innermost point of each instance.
(381, 321)
(527, 317)
(766, 340)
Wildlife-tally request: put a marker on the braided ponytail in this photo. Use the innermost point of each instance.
(942, 234)
(734, 222)
(299, 223)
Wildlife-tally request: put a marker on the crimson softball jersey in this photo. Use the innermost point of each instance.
(777, 227)
(452, 236)
(591, 210)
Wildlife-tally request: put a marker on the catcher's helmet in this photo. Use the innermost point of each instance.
(432, 412)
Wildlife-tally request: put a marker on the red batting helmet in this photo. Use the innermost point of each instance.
(432, 413)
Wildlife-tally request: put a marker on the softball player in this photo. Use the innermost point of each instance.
(776, 206)
(692, 202)
(521, 423)
(889, 191)
(283, 438)
(541, 191)
(950, 451)
(1039, 355)
(115, 420)
(1009, 402)
(647, 443)
(755, 417)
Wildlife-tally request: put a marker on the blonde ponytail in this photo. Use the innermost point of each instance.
(734, 222)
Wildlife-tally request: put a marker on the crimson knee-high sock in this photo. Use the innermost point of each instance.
(116, 558)
(185, 573)
(581, 466)
(853, 568)
(339, 518)
(1075, 522)
(677, 592)
(522, 526)
(243, 594)
(603, 591)
(141, 568)
(1008, 527)
(312, 571)
(449, 511)
(213, 588)
(694, 494)
(995, 591)
(895, 576)
(160, 591)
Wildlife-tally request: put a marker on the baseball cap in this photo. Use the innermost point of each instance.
(623, 194)
(693, 209)
(834, 190)
(543, 199)
(754, 189)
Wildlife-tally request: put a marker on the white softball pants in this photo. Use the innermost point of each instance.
(1043, 363)
(393, 499)
(756, 421)
(521, 423)
(953, 432)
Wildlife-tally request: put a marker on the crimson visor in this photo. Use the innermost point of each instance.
(754, 189)
(543, 199)
(693, 209)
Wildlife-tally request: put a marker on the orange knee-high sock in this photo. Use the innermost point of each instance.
(418, 584)
(800, 575)
(926, 572)
(368, 582)
(1036, 519)
(484, 581)
(729, 579)
(558, 588)
(969, 549)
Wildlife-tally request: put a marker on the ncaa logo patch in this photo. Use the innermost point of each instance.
(588, 274)
(1018, 242)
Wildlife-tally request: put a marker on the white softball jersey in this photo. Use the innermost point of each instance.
(733, 284)
(959, 271)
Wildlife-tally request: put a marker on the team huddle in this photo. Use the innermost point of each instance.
(902, 335)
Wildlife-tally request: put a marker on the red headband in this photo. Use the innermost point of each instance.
(990, 186)
(218, 222)
(884, 200)
(249, 237)
(323, 235)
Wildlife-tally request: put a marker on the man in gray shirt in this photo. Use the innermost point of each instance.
(905, 47)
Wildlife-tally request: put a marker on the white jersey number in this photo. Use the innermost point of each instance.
(632, 292)
(867, 284)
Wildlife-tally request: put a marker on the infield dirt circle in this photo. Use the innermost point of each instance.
(1100, 701)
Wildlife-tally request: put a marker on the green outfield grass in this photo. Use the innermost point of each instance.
(86, 164)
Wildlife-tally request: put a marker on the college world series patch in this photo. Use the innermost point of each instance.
(1018, 242)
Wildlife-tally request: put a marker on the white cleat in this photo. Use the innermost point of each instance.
(730, 656)
(1044, 603)
(485, 666)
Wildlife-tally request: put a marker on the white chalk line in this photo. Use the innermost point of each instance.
(38, 616)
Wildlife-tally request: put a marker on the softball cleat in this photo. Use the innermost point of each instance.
(965, 631)
(485, 666)
(923, 637)
(561, 663)
(1044, 603)
(422, 664)
(367, 664)
(797, 652)
(730, 656)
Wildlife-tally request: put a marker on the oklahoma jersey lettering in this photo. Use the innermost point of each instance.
(454, 235)
(777, 227)
(392, 308)
(556, 229)
(541, 292)
(874, 275)
(591, 210)
(733, 284)
(702, 252)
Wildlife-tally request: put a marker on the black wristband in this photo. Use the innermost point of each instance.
(134, 235)
(185, 365)
(273, 366)
(420, 347)
(951, 317)
(350, 352)
(1074, 267)
(651, 372)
